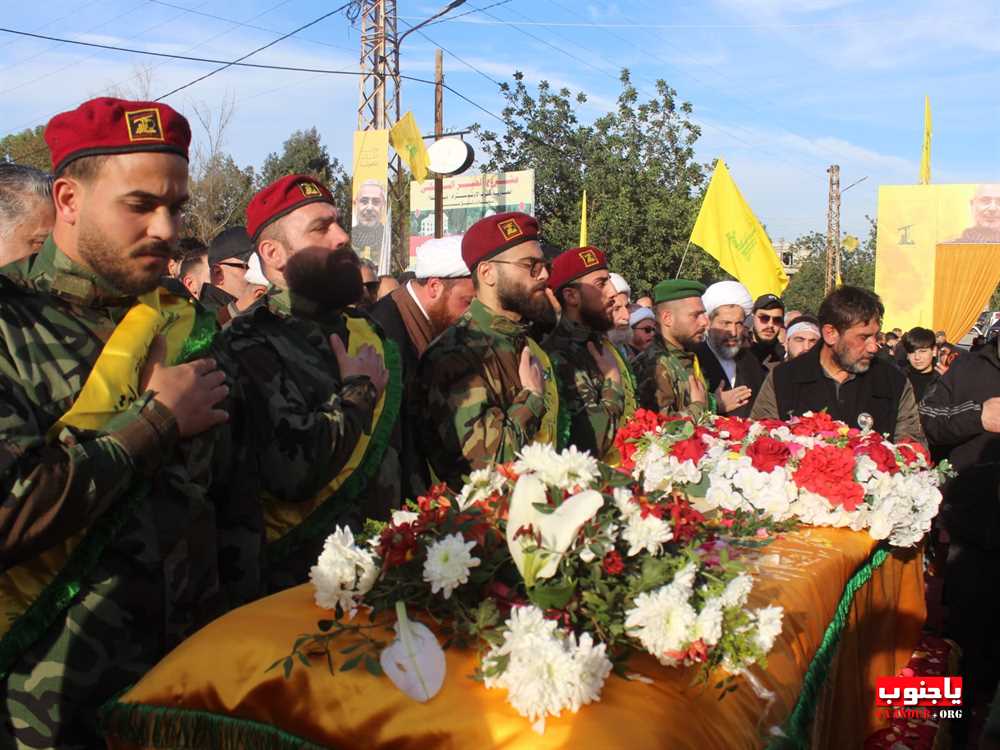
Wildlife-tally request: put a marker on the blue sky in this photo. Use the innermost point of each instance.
(781, 88)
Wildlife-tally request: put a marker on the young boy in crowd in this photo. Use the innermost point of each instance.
(921, 352)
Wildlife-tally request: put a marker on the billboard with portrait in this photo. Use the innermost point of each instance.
(918, 228)
(467, 199)
(369, 192)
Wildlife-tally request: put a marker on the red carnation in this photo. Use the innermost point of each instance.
(766, 453)
(820, 423)
(909, 450)
(736, 427)
(878, 452)
(613, 564)
(642, 422)
(687, 522)
(692, 449)
(828, 471)
(397, 544)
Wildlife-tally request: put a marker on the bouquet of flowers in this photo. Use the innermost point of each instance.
(557, 569)
(812, 468)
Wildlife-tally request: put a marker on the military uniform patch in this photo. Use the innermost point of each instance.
(509, 229)
(589, 258)
(144, 125)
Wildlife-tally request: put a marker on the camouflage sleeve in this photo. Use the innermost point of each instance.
(302, 440)
(467, 427)
(595, 410)
(53, 489)
(671, 395)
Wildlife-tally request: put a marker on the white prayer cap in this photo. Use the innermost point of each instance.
(727, 293)
(442, 258)
(254, 274)
(621, 286)
(640, 314)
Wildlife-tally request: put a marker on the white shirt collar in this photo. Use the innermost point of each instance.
(409, 288)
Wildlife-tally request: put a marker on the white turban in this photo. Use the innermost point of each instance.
(638, 315)
(621, 286)
(441, 258)
(727, 293)
(254, 274)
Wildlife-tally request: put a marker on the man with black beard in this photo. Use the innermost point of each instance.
(843, 375)
(485, 388)
(595, 385)
(768, 322)
(325, 384)
(414, 315)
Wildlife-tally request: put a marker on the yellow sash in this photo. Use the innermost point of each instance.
(549, 428)
(281, 517)
(111, 388)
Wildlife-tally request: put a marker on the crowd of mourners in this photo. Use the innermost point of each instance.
(183, 423)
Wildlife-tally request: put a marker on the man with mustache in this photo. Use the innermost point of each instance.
(768, 326)
(734, 375)
(485, 388)
(595, 384)
(325, 384)
(415, 314)
(109, 553)
(842, 374)
(669, 379)
(369, 220)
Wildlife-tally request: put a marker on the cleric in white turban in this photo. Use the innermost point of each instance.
(441, 258)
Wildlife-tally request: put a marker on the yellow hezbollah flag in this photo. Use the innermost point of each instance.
(583, 220)
(925, 155)
(727, 230)
(405, 138)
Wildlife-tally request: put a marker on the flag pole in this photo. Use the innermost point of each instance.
(683, 256)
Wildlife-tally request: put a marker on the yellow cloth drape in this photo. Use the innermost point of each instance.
(280, 517)
(965, 276)
(221, 670)
(549, 429)
(612, 457)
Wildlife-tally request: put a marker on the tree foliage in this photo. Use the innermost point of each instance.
(636, 163)
(303, 153)
(27, 147)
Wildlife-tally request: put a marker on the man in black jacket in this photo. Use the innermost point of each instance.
(961, 415)
(842, 374)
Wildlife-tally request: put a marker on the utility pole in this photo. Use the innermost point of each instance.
(438, 130)
(833, 230)
(378, 101)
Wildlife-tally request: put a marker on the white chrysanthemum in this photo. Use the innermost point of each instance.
(540, 460)
(708, 626)
(737, 591)
(401, 517)
(663, 620)
(448, 564)
(649, 534)
(623, 498)
(547, 670)
(769, 621)
(344, 572)
(579, 468)
(482, 483)
(660, 472)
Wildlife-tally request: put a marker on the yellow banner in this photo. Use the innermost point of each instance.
(912, 221)
(727, 230)
(370, 192)
(405, 138)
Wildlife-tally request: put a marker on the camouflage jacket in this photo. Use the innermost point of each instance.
(145, 504)
(471, 409)
(306, 422)
(661, 374)
(593, 404)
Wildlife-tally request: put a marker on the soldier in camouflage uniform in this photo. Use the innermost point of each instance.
(109, 553)
(320, 414)
(667, 374)
(484, 388)
(592, 377)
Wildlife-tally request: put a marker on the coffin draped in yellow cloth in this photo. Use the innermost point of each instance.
(214, 690)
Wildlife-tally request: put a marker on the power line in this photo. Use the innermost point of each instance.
(227, 65)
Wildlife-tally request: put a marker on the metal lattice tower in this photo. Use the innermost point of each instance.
(378, 101)
(833, 230)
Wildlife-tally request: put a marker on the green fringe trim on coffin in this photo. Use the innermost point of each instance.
(59, 594)
(174, 728)
(321, 521)
(797, 728)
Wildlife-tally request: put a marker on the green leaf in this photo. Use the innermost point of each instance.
(303, 658)
(288, 666)
(551, 595)
(373, 666)
(351, 663)
(544, 508)
(352, 648)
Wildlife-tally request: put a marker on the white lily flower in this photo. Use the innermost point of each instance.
(414, 661)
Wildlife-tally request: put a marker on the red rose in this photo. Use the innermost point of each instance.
(829, 471)
(735, 426)
(766, 453)
(613, 564)
(692, 449)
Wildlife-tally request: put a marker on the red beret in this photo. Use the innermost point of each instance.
(282, 197)
(116, 126)
(572, 264)
(494, 234)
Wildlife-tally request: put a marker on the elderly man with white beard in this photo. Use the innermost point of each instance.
(734, 374)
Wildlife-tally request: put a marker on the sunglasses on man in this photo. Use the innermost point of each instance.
(776, 319)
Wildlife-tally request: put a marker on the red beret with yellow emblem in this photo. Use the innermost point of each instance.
(116, 126)
(282, 197)
(494, 234)
(572, 264)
